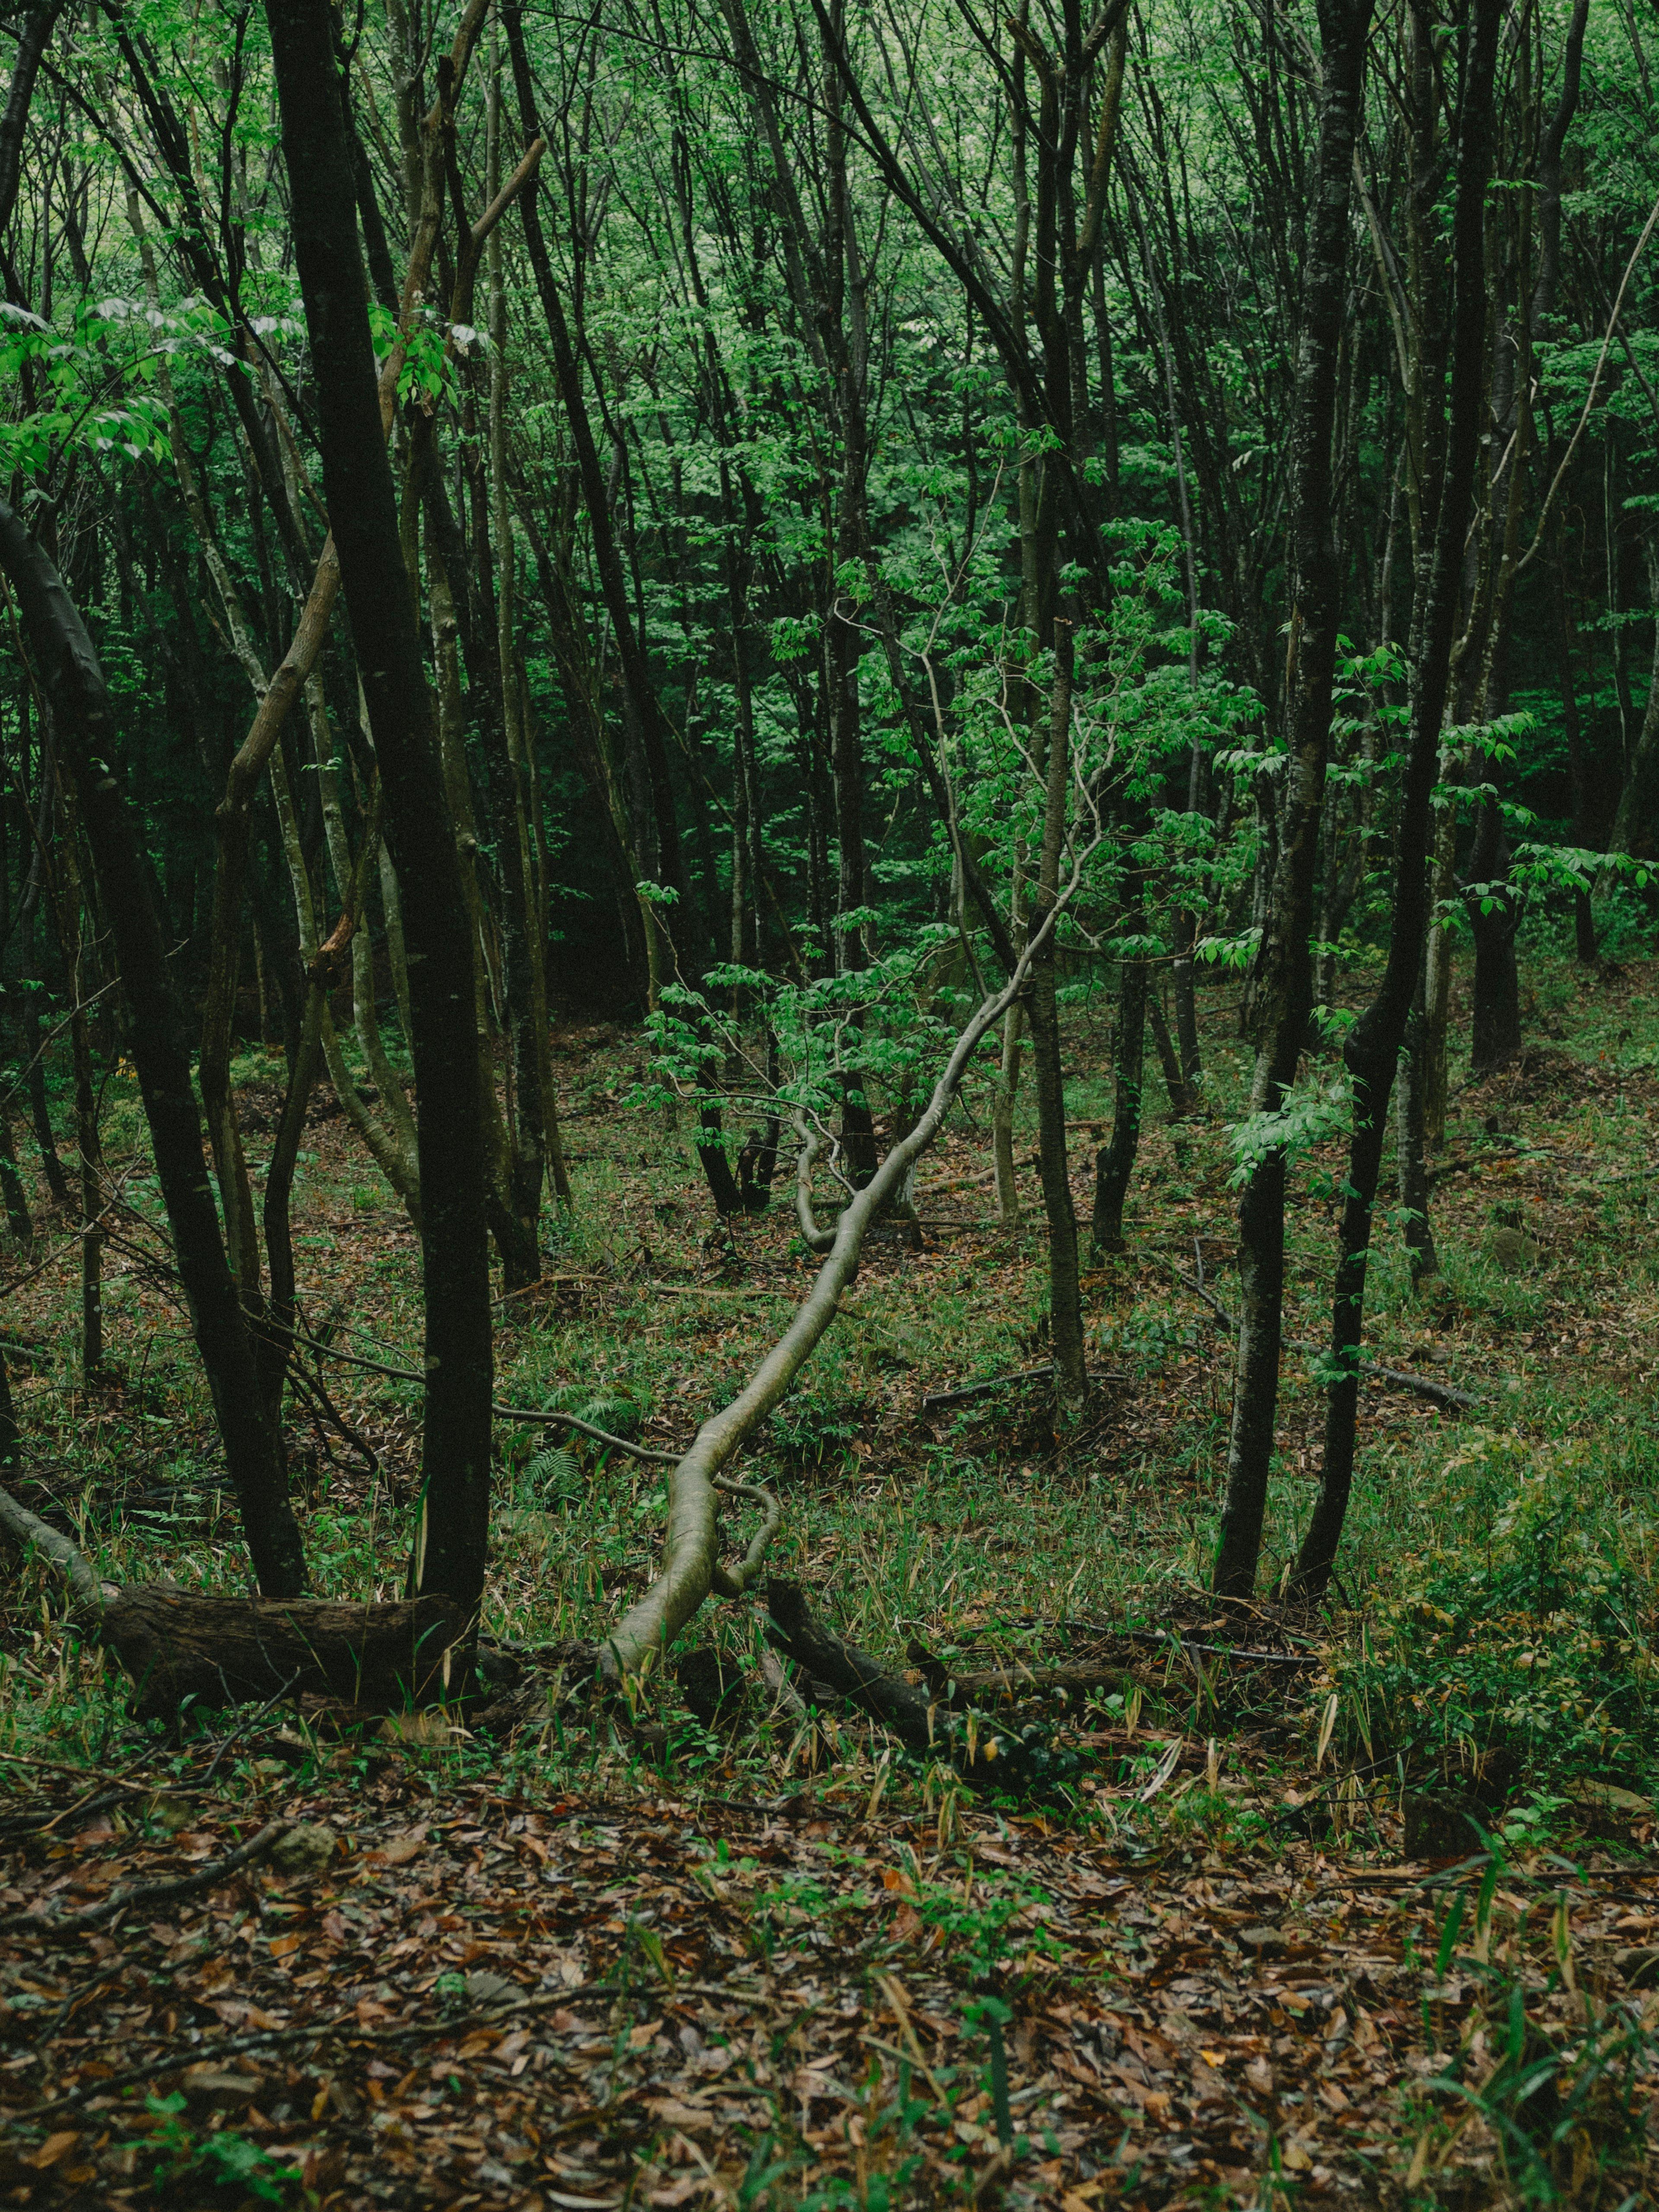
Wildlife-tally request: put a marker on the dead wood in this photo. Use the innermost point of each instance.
(28, 1531)
(230, 1650)
(45, 1929)
(851, 1673)
(1010, 1685)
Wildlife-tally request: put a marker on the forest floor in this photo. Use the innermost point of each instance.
(1363, 1909)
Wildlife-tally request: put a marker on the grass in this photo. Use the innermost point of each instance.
(974, 1520)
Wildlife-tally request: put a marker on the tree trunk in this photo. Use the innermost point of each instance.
(452, 1543)
(1412, 1149)
(1495, 1034)
(1115, 1162)
(75, 686)
(1002, 1116)
(1065, 1297)
(1282, 994)
(1373, 1044)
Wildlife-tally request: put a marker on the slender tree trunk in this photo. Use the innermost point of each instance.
(86, 737)
(452, 1540)
(1283, 995)
(1424, 1259)
(1373, 1044)
(1495, 1033)
(1002, 1115)
(1115, 1162)
(1065, 1295)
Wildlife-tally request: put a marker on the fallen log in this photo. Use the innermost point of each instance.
(851, 1673)
(988, 1759)
(232, 1651)
(1010, 1685)
(383, 1656)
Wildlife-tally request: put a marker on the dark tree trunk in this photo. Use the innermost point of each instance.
(1182, 1100)
(1373, 1045)
(452, 1543)
(1490, 903)
(1115, 1162)
(1065, 1298)
(1283, 992)
(36, 29)
(73, 683)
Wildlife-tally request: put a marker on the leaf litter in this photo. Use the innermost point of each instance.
(482, 1997)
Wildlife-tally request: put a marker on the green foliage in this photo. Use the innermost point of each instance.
(1527, 1629)
(1311, 1113)
(213, 2158)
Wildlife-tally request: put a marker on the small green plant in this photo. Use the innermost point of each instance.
(218, 2157)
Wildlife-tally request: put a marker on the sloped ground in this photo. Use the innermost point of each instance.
(596, 1967)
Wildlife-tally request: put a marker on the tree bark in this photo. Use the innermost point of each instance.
(74, 684)
(1065, 1295)
(1115, 1162)
(1282, 994)
(225, 1651)
(1373, 1045)
(452, 1542)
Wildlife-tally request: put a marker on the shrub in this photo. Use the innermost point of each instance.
(1527, 1635)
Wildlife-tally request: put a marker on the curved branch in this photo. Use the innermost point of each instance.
(736, 1582)
(815, 1239)
(25, 1528)
(688, 1561)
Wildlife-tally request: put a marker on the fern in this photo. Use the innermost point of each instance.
(615, 1410)
(554, 1471)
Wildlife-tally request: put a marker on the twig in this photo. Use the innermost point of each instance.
(1000, 1381)
(501, 1412)
(145, 1892)
(1439, 1393)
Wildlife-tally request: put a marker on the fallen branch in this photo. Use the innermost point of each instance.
(851, 1673)
(1438, 1394)
(45, 1930)
(688, 1550)
(1001, 1382)
(28, 1529)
